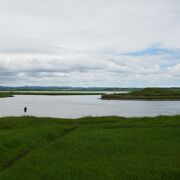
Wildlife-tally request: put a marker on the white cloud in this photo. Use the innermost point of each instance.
(78, 69)
(66, 42)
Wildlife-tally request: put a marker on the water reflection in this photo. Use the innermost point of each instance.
(78, 106)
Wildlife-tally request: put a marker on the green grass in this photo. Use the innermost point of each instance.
(11, 94)
(6, 94)
(90, 148)
(146, 94)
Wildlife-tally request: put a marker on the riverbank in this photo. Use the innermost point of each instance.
(50, 93)
(146, 94)
(6, 94)
(90, 148)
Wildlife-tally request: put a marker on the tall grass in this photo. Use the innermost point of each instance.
(90, 148)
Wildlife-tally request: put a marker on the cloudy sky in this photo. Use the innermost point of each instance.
(123, 43)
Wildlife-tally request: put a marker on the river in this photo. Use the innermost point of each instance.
(86, 105)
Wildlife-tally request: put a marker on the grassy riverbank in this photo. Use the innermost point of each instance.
(11, 94)
(146, 94)
(6, 94)
(90, 148)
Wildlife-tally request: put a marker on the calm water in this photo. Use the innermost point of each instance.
(78, 106)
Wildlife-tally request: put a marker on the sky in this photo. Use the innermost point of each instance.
(112, 43)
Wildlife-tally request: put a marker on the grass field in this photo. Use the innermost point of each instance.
(90, 148)
(49, 93)
(6, 94)
(146, 94)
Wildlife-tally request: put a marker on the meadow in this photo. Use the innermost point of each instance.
(90, 148)
(6, 94)
(146, 94)
(49, 93)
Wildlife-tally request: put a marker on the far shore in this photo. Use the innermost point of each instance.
(146, 94)
(4, 94)
(11, 94)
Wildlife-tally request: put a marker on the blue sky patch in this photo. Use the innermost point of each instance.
(152, 51)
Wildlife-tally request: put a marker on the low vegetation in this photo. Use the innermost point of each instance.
(146, 94)
(11, 94)
(90, 148)
(6, 94)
